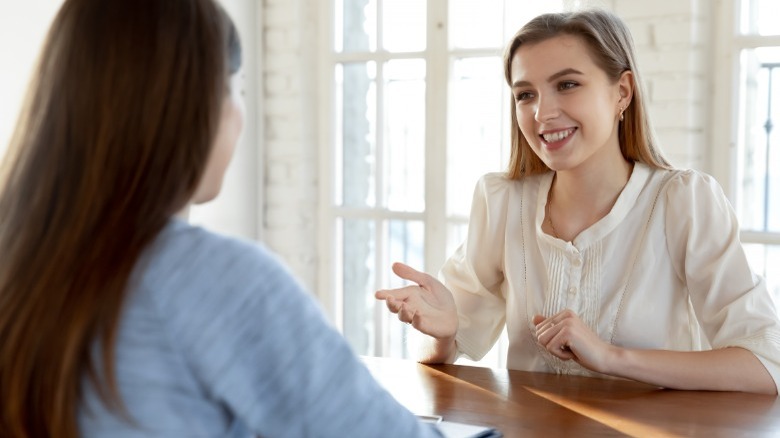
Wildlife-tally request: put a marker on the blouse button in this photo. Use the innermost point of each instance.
(577, 261)
(572, 289)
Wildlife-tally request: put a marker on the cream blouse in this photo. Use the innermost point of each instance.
(663, 270)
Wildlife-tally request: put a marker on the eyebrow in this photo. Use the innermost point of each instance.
(554, 76)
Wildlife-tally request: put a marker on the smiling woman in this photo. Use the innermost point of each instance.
(597, 256)
(561, 99)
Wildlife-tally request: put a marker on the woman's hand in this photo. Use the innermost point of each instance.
(428, 306)
(565, 336)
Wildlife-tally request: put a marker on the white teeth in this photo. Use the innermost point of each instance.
(557, 136)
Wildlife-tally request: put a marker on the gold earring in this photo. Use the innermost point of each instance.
(621, 113)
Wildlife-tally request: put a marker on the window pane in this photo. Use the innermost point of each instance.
(476, 23)
(760, 17)
(356, 138)
(517, 13)
(358, 252)
(478, 117)
(355, 25)
(404, 135)
(456, 234)
(490, 23)
(405, 241)
(764, 260)
(758, 170)
(404, 25)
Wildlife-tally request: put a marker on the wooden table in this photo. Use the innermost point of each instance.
(536, 404)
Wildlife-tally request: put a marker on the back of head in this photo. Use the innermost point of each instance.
(113, 139)
(611, 48)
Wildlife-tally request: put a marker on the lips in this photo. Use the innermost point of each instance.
(557, 136)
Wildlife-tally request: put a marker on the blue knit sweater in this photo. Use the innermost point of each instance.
(218, 340)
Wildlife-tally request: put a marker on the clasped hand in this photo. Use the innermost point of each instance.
(565, 336)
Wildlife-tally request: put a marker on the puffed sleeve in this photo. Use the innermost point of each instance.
(732, 304)
(474, 273)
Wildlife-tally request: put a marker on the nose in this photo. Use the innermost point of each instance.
(546, 108)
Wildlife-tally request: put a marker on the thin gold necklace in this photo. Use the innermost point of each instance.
(547, 211)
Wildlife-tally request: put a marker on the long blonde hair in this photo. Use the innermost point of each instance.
(114, 138)
(612, 49)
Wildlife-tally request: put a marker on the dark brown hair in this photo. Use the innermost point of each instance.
(611, 48)
(112, 141)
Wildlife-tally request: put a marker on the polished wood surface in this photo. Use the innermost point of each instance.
(536, 404)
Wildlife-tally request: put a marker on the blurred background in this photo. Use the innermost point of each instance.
(369, 122)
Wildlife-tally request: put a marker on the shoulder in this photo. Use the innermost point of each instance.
(674, 186)
(185, 261)
(694, 188)
(697, 210)
(181, 246)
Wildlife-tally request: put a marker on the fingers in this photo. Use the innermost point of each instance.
(402, 293)
(556, 341)
(404, 310)
(543, 324)
(406, 313)
(553, 334)
(402, 301)
(408, 273)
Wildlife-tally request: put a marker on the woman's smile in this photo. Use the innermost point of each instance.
(556, 139)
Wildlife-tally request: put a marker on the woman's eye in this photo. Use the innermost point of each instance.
(567, 85)
(523, 96)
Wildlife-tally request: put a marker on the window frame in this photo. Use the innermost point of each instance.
(724, 158)
(439, 58)
(433, 217)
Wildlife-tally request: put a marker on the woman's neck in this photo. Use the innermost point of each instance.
(580, 197)
(589, 186)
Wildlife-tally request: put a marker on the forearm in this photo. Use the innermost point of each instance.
(438, 350)
(727, 369)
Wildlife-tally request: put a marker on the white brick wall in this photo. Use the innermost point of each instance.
(291, 155)
(671, 41)
(673, 55)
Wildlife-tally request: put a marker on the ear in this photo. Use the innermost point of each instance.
(625, 88)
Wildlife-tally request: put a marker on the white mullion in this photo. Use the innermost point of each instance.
(379, 213)
(381, 315)
(380, 56)
(437, 84)
(479, 52)
(383, 55)
(753, 41)
(724, 111)
(764, 238)
(380, 329)
(331, 300)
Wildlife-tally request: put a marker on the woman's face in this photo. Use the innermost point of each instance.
(567, 108)
(230, 126)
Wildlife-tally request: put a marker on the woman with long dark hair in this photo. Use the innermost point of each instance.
(117, 318)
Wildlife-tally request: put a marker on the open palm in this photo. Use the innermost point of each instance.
(427, 305)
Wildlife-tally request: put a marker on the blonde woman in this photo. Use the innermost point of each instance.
(596, 255)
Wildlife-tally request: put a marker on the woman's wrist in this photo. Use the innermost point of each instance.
(615, 360)
(440, 350)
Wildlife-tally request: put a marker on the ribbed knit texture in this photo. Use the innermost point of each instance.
(217, 339)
